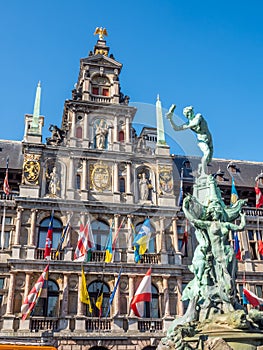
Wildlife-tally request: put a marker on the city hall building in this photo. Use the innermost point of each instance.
(95, 171)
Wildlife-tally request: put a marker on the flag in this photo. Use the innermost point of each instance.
(6, 187)
(108, 252)
(100, 300)
(251, 298)
(234, 195)
(141, 240)
(259, 196)
(48, 246)
(260, 243)
(143, 294)
(114, 292)
(181, 192)
(63, 238)
(32, 298)
(185, 240)
(84, 294)
(237, 247)
(85, 243)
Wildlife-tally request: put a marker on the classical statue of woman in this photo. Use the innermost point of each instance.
(144, 187)
(101, 134)
(54, 182)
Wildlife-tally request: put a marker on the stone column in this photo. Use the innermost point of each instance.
(131, 291)
(32, 235)
(64, 306)
(117, 298)
(85, 131)
(130, 251)
(8, 318)
(116, 178)
(127, 130)
(24, 325)
(80, 318)
(73, 129)
(68, 248)
(110, 138)
(84, 192)
(180, 305)
(175, 234)
(71, 177)
(115, 130)
(16, 247)
(11, 293)
(166, 296)
(164, 256)
(117, 254)
(128, 180)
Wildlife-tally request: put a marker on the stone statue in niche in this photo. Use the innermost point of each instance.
(101, 134)
(143, 187)
(53, 182)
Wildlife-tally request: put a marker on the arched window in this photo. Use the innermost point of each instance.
(95, 290)
(79, 132)
(152, 308)
(152, 245)
(100, 230)
(121, 136)
(57, 229)
(122, 184)
(48, 305)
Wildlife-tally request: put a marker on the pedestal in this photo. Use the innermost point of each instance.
(16, 251)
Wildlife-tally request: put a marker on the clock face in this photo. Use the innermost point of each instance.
(100, 177)
(31, 171)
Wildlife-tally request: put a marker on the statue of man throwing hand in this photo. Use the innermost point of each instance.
(198, 124)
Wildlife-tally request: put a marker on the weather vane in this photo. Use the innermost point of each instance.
(101, 32)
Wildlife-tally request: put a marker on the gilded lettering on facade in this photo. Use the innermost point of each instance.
(100, 177)
(31, 169)
(165, 179)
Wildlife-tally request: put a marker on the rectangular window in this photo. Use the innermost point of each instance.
(95, 90)
(105, 92)
(7, 235)
(8, 220)
(2, 283)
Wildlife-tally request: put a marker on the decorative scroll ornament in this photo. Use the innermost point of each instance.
(31, 169)
(165, 179)
(100, 177)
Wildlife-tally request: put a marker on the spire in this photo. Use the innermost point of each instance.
(159, 119)
(36, 113)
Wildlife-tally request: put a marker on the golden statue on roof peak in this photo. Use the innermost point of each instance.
(101, 32)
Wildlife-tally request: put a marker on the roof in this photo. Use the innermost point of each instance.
(244, 172)
(13, 150)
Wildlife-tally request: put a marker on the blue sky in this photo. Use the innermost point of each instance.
(204, 53)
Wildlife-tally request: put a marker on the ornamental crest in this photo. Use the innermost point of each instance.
(31, 169)
(165, 179)
(100, 176)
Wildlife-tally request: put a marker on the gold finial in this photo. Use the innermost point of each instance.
(101, 32)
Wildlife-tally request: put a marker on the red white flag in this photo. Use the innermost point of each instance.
(6, 187)
(252, 298)
(143, 294)
(85, 243)
(48, 246)
(259, 196)
(32, 298)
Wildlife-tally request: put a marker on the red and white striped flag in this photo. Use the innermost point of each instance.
(85, 243)
(143, 294)
(48, 246)
(259, 196)
(32, 298)
(6, 187)
(251, 298)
